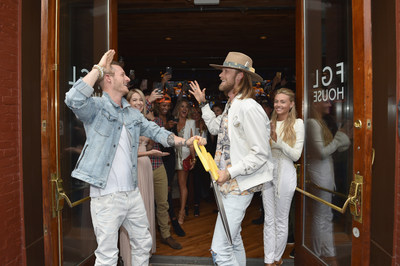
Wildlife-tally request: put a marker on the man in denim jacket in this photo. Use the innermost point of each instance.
(108, 161)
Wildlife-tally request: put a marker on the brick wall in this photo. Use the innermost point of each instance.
(11, 222)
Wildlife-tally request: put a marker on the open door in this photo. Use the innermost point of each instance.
(335, 88)
(75, 34)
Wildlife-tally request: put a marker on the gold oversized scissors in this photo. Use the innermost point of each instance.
(211, 167)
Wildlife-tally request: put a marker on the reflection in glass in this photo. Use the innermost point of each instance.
(328, 122)
(83, 39)
(323, 142)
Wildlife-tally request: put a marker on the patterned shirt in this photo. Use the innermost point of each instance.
(157, 161)
(223, 158)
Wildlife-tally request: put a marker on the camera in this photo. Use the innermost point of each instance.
(159, 91)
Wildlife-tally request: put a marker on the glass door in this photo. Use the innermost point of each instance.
(83, 39)
(333, 189)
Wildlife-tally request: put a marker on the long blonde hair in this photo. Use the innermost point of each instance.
(177, 108)
(129, 96)
(246, 87)
(288, 133)
(326, 132)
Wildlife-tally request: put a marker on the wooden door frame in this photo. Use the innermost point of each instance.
(362, 90)
(49, 164)
(49, 114)
(362, 143)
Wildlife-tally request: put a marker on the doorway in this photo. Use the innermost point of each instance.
(78, 44)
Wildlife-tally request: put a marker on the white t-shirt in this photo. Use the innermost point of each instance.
(120, 176)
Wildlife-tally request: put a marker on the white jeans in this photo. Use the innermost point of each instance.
(222, 252)
(111, 211)
(276, 214)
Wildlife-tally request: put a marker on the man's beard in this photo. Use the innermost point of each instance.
(226, 87)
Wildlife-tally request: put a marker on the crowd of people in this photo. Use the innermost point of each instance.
(136, 143)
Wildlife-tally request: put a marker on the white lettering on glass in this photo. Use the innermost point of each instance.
(333, 93)
(83, 71)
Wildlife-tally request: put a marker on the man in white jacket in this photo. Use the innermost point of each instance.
(243, 153)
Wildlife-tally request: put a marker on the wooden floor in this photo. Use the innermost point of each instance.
(199, 231)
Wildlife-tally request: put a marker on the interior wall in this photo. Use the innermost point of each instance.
(384, 130)
(31, 148)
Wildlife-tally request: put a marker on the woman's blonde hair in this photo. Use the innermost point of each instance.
(326, 132)
(133, 91)
(175, 113)
(288, 133)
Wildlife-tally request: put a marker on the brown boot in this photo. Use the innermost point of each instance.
(171, 242)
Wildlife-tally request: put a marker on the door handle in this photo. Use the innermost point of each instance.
(60, 195)
(354, 199)
(373, 156)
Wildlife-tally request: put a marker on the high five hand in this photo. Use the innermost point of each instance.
(199, 94)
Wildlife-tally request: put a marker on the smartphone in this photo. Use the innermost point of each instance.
(168, 70)
(159, 91)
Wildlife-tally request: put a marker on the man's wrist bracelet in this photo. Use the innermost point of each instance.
(100, 69)
(202, 104)
(185, 143)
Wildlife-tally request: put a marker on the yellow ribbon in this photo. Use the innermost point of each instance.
(206, 159)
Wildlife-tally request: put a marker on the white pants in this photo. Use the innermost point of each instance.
(111, 211)
(222, 252)
(276, 213)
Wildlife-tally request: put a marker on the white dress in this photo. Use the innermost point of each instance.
(277, 196)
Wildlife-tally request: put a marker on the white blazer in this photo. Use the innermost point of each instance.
(249, 134)
(190, 127)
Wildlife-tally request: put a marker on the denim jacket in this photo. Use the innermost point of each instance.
(103, 120)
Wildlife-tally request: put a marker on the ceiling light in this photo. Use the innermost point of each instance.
(168, 38)
(206, 2)
(263, 37)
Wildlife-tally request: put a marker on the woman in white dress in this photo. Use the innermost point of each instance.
(185, 128)
(145, 179)
(287, 137)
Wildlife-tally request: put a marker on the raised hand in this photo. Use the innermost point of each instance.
(195, 90)
(155, 95)
(106, 59)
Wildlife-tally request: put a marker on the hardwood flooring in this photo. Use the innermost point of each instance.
(199, 231)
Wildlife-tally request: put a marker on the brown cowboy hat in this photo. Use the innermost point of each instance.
(241, 62)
